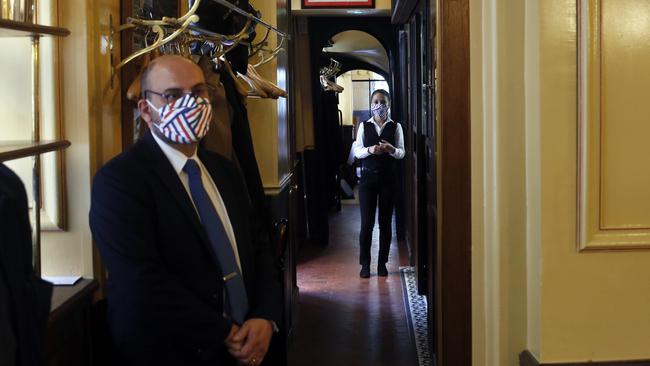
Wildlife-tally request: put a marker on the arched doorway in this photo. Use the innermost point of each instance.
(368, 45)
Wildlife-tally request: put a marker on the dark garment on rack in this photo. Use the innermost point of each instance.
(219, 137)
(29, 295)
(219, 19)
(323, 166)
(230, 136)
(332, 146)
(244, 151)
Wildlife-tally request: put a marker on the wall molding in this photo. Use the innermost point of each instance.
(594, 232)
(526, 358)
(274, 190)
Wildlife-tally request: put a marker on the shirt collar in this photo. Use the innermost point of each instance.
(175, 157)
(372, 120)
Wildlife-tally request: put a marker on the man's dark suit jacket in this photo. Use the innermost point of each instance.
(165, 290)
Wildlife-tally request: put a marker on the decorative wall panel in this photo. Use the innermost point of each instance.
(614, 124)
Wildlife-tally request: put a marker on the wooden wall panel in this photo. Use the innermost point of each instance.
(454, 252)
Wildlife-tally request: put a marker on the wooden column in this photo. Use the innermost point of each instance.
(454, 317)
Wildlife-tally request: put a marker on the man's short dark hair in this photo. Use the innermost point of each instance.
(382, 92)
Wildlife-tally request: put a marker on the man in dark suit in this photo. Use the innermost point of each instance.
(190, 281)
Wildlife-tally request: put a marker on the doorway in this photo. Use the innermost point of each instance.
(343, 318)
(433, 90)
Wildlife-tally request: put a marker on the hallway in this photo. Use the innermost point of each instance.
(343, 319)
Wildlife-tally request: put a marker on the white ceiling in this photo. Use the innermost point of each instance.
(361, 46)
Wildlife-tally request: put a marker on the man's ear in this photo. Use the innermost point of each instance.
(145, 110)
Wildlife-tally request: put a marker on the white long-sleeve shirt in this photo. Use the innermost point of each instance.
(361, 152)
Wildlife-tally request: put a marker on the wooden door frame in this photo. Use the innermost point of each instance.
(453, 275)
(450, 281)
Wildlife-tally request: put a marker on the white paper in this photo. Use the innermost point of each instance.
(62, 280)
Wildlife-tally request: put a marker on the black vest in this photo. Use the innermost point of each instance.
(384, 162)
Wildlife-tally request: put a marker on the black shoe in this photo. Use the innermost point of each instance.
(381, 270)
(365, 271)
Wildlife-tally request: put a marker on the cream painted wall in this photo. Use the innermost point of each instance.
(499, 181)
(63, 252)
(346, 97)
(263, 113)
(531, 288)
(91, 118)
(16, 106)
(15, 100)
(70, 252)
(594, 305)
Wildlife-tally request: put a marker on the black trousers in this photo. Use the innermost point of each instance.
(376, 188)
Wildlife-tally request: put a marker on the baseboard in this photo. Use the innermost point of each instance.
(527, 359)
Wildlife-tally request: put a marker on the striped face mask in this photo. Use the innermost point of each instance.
(186, 120)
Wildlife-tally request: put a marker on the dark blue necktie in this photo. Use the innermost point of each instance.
(235, 289)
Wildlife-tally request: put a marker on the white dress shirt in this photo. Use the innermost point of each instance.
(361, 152)
(178, 160)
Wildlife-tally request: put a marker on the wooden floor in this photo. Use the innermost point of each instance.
(345, 320)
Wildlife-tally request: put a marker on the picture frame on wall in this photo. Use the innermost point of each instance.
(334, 4)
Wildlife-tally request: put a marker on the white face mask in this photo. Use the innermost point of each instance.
(379, 111)
(186, 120)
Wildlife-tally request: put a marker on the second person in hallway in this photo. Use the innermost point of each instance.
(379, 143)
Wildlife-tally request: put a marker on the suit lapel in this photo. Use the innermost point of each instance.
(164, 170)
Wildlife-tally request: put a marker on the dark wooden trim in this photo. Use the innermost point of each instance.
(11, 150)
(453, 277)
(12, 28)
(70, 329)
(126, 74)
(402, 10)
(527, 359)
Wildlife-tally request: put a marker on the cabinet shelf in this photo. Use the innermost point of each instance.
(10, 28)
(66, 297)
(20, 149)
